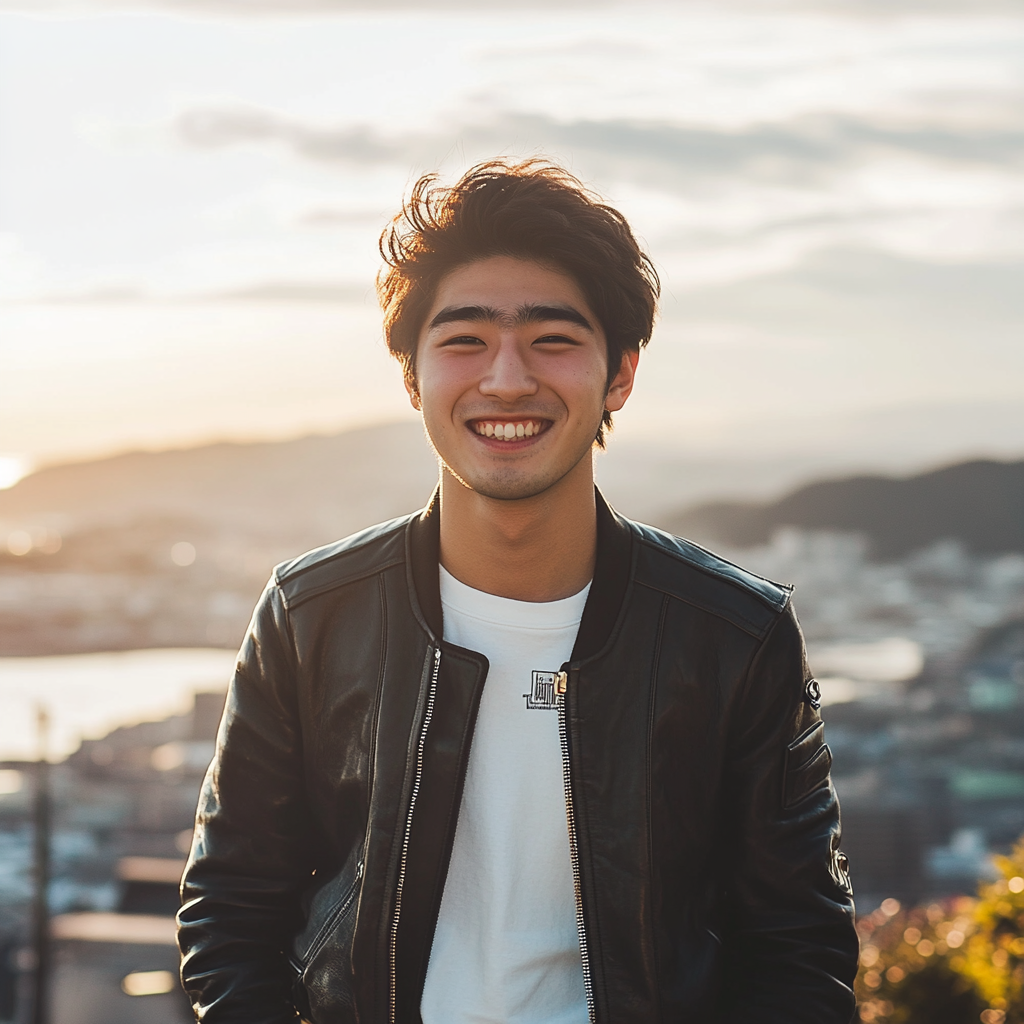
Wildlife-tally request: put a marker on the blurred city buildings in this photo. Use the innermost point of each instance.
(921, 667)
(123, 812)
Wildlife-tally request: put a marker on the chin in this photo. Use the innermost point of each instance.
(510, 485)
(511, 491)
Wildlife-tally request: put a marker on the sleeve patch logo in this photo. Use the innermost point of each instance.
(813, 693)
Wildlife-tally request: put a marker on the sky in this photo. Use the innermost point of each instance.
(191, 195)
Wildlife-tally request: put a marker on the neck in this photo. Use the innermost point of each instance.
(531, 549)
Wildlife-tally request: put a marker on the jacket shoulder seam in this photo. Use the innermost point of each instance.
(753, 629)
(289, 627)
(297, 578)
(784, 590)
(337, 583)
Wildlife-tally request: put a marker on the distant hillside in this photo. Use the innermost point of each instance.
(305, 492)
(979, 503)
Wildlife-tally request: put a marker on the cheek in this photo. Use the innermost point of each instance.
(440, 392)
(585, 387)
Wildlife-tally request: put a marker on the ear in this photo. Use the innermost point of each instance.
(622, 382)
(412, 392)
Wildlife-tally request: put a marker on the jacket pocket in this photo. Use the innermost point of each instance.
(808, 762)
(329, 909)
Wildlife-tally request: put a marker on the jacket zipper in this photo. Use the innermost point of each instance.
(561, 687)
(417, 780)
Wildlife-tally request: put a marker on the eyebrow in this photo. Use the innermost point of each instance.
(528, 313)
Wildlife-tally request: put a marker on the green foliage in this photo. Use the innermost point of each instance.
(994, 955)
(906, 975)
(956, 962)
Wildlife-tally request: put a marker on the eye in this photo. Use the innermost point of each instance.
(460, 340)
(555, 339)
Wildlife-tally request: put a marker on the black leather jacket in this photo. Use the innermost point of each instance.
(704, 827)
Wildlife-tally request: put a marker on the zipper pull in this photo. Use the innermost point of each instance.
(561, 683)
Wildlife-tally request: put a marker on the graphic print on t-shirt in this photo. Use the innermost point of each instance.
(544, 689)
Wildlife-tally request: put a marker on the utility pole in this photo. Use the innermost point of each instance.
(41, 863)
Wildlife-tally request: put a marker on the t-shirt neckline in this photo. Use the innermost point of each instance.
(504, 611)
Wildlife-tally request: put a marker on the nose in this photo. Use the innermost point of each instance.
(508, 378)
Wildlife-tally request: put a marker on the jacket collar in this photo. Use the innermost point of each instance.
(424, 552)
(612, 571)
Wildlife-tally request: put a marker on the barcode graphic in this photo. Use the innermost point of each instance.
(542, 691)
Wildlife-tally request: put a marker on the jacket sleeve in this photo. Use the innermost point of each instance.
(791, 952)
(251, 849)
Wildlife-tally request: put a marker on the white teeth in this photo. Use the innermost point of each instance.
(508, 431)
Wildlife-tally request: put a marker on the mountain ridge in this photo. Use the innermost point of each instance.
(978, 502)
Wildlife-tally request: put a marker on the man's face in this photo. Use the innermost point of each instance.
(512, 376)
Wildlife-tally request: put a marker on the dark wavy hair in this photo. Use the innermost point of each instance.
(532, 210)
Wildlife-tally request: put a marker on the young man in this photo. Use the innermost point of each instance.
(515, 758)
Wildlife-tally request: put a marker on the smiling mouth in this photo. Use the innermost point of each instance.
(510, 430)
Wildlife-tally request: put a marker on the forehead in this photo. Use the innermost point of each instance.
(506, 283)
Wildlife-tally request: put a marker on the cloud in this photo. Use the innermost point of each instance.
(713, 205)
(875, 299)
(721, 204)
(218, 127)
(803, 147)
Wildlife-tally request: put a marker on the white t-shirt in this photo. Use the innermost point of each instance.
(506, 950)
